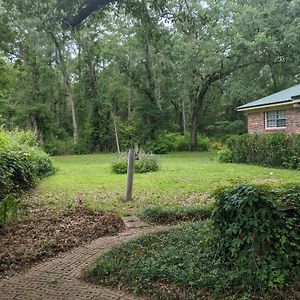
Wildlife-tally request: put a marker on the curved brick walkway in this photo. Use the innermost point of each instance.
(60, 278)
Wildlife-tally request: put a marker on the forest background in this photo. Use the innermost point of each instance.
(142, 68)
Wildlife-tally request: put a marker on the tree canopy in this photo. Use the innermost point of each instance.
(77, 71)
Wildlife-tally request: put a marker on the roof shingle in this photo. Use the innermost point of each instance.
(286, 95)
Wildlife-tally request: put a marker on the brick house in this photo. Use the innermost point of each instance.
(279, 112)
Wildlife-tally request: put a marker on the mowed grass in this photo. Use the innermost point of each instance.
(183, 178)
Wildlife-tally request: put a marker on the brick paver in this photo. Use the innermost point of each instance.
(60, 278)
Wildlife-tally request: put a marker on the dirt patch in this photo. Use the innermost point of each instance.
(43, 234)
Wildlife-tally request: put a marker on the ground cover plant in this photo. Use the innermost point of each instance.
(167, 215)
(273, 150)
(249, 250)
(183, 179)
(43, 233)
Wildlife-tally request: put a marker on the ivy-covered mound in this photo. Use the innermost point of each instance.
(144, 163)
(248, 250)
(271, 150)
(22, 164)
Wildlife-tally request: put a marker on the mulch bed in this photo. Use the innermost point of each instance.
(44, 233)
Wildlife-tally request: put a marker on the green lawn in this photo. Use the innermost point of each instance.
(183, 178)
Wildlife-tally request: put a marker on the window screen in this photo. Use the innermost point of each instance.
(276, 119)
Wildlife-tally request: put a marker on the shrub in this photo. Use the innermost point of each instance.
(22, 163)
(119, 166)
(202, 143)
(23, 137)
(257, 234)
(225, 156)
(174, 142)
(166, 215)
(292, 162)
(42, 163)
(144, 163)
(157, 147)
(274, 150)
(59, 147)
(216, 145)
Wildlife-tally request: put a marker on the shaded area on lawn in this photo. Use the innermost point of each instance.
(43, 233)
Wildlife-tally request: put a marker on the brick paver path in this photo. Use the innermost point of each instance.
(60, 278)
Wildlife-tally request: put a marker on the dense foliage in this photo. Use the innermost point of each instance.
(144, 163)
(260, 233)
(170, 142)
(166, 215)
(165, 65)
(273, 150)
(22, 164)
(249, 250)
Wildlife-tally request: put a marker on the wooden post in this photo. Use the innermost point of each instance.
(130, 173)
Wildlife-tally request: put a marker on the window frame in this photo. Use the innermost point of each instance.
(277, 119)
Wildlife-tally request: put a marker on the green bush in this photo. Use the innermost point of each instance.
(225, 156)
(166, 215)
(24, 138)
(59, 147)
(157, 147)
(274, 150)
(119, 166)
(258, 234)
(144, 163)
(22, 163)
(174, 142)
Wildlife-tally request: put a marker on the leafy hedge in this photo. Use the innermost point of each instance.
(22, 163)
(260, 232)
(144, 163)
(274, 150)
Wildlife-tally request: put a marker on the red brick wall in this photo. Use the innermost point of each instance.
(293, 120)
(256, 122)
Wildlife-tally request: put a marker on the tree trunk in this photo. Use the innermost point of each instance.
(73, 110)
(194, 127)
(116, 136)
(197, 105)
(68, 84)
(182, 117)
(129, 100)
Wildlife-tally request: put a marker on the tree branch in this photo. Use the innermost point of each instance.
(92, 6)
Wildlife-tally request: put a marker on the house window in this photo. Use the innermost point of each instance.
(275, 119)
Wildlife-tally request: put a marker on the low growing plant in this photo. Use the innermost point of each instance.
(166, 215)
(144, 163)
